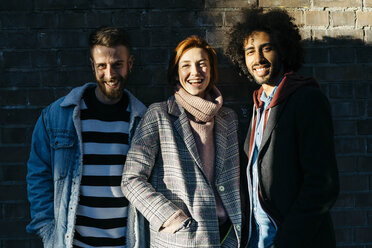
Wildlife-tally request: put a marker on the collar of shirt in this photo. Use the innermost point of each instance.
(267, 99)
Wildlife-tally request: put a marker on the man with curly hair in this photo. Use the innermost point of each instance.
(290, 178)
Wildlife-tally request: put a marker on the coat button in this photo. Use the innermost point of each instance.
(221, 188)
(237, 227)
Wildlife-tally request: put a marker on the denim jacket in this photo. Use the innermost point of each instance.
(55, 167)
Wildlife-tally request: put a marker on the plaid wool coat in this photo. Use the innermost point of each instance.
(164, 173)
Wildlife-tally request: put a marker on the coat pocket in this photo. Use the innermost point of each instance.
(64, 155)
(185, 237)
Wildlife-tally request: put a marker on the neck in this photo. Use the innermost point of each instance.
(268, 89)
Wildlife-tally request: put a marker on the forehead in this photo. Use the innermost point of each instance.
(116, 52)
(195, 53)
(257, 38)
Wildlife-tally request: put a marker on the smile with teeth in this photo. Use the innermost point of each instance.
(195, 81)
(112, 84)
(261, 71)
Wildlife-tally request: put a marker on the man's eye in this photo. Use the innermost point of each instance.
(118, 65)
(267, 49)
(100, 66)
(249, 52)
(185, 66)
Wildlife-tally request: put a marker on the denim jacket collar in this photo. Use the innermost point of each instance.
(138, 109)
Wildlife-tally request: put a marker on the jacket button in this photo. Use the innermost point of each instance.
(237, 227)
(221, 188)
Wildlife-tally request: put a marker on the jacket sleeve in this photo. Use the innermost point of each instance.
(317, 161)
(40, 182)
(141, 158)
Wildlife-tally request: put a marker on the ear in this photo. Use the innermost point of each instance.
(130, 62)
(92, 63)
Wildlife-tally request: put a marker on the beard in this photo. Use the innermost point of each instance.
(113, 94)
(272, 77)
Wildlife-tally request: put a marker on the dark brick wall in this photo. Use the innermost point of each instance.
(43, 54)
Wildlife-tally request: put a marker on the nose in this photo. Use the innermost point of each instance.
(110, 72)
(194, 69)
(260, 58)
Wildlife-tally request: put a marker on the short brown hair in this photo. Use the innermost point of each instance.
(109, 37)
(188, 43)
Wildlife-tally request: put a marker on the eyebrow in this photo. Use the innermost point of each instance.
(186, 61)
(117, 61)
(262, 45)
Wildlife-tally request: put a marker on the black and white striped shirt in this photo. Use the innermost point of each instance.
(102, 211)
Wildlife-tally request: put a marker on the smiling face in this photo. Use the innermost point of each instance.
(111, 67)
(262, 59)
(194, 71)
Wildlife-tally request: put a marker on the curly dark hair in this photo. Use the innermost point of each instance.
(284, 35)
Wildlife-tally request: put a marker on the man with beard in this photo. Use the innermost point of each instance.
(291, 178)
(78, 150)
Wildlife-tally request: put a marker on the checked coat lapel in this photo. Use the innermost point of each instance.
(183, 128)
(220, 131)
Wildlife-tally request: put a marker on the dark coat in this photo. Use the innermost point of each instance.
(298, 178)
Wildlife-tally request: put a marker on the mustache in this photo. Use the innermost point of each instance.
(266, 63)
(113, 79)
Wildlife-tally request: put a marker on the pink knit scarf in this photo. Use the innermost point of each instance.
(202, 109)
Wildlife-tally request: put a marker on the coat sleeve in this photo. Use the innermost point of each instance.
(320, 177)
(40, 182)
(141, 158)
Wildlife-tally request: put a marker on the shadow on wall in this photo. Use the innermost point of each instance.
(343, 67)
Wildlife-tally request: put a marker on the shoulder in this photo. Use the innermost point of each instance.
(170, 106)
(309, 98)
(56, 108)
(69, 101)
(137, 107)
(156, 111)
(311, 103)
(154, 119)
(308, 92)
(158, 107)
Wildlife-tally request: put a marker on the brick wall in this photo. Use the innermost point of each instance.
(43, 54)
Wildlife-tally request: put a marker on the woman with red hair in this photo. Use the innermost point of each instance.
(182, 170)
